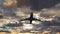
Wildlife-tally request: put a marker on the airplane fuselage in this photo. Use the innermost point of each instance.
(31, 18)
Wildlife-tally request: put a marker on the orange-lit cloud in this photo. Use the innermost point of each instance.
(10, 3)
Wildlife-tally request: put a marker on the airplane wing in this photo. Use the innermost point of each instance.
(36, 19)
(24, 19)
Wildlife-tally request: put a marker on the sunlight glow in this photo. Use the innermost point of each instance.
(9, 2)
(36, 16)
(36, 22)
(27, 26)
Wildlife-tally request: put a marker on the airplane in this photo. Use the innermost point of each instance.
(31, 18)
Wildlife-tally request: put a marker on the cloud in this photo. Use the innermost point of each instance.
(51, 12)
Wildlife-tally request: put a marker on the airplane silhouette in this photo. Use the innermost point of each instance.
(30, 18)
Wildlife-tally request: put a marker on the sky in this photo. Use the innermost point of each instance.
(36, 5)
(39, 4)
(45, 8)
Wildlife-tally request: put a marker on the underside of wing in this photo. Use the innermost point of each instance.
(36, 19)
(24, 19)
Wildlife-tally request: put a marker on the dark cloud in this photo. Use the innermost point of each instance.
(38, 4)
(56, 7)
